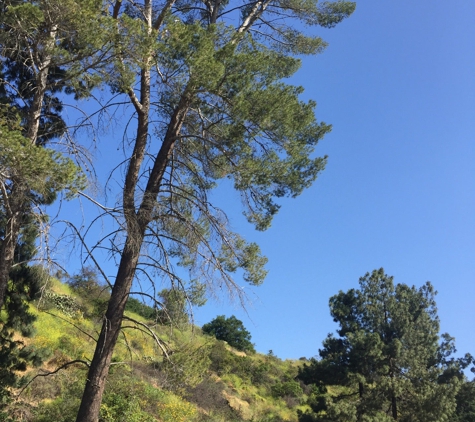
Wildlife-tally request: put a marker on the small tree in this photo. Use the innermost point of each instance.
(387, 358)
(230, 330)
(176, 301)
(94, 295)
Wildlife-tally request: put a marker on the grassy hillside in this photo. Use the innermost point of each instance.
(159, 373)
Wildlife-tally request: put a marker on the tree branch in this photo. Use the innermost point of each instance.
(46, 374)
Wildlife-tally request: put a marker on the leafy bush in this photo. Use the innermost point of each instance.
(63, 303)
(93, 293)
(123, 408)
(60, 395)
(289, 388)
(130, 400)
(186, 367)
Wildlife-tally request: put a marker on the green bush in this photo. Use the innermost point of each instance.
(289, 388)
(63, 303)
(230, 330)
(139, 308)
(123, 408)
(94, 295)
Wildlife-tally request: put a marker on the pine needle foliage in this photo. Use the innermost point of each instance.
(388, 358)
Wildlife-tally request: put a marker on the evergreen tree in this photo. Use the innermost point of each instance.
(175, 303)
(465, 411)
(204, 80)
(24, 287)
(46, 47)
(387, 358)
(48, 172)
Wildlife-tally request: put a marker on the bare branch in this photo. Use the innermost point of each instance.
(48, 373)
(160, 343)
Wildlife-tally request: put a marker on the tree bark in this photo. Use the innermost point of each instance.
(95, 383)
(394, 406)
(393, 395)
(43, 65)
(8, 244)
(361, 393)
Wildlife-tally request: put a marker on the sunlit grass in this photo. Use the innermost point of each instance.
(140, 368)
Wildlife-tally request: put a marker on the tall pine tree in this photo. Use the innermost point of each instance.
(204, 80)
(387, 359)
(46, 48)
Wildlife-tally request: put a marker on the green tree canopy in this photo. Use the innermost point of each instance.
(230, 330)
(46, 48)
(387, 356)
(176, 302)
(465, 411)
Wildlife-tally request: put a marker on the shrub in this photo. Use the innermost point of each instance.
(63, 303)
(209, 396)
(123, 408)
(289, 388)
(139, 308)
(94, 295)
(186, 367)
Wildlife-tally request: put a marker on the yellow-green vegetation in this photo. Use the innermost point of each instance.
(187, 377)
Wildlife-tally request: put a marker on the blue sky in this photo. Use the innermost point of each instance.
(397, 82)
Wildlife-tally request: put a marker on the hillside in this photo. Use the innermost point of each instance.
(159, 372)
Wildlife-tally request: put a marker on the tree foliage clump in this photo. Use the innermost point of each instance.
(230, 330)
(15, 354)
(140, 308)
(46, 48)
(388, 359)
(92, 293)
(465, 411)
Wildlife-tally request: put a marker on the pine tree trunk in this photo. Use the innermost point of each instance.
(95, 383)
(14, 211)
(394, 406)
(393, 395)
(361, 393)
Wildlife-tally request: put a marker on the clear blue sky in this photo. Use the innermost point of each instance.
(398, 84)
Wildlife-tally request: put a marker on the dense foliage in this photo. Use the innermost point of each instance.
(388, 358)
(203, 379)
(16, 355)
(230, 330)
